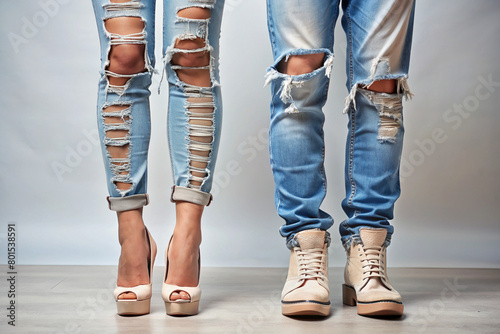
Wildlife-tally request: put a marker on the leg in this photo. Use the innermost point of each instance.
(297, 145)
(191, 55)
(123, 112)
(377, 71)
(374, 146)
(299, 83)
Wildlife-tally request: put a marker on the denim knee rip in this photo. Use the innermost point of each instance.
(199, 106)
(291, 82)
(390, 112)
(119, 118)
(389, 106)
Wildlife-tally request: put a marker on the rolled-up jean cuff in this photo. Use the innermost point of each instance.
(128, 202)
(292, 241)
(190, 195)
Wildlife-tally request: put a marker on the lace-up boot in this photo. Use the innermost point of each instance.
(366, 281)
(306, 289)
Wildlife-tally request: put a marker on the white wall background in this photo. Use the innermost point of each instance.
(448, 215)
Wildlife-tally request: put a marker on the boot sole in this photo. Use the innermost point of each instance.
(305, 308)
(376, 308)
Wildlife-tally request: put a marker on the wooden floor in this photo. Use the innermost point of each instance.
(78, 299)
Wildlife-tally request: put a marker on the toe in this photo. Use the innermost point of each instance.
(127, 295)
(184, 295)
(174, 296)
(178, 295)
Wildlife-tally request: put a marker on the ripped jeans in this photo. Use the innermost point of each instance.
(194, 111)
(379, 37)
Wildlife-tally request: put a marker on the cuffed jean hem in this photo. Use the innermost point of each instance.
(292, 242)
(128, 202)
(356, 239)
(190, 195)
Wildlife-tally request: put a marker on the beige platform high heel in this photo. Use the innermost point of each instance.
(141, 304)
(180, 306)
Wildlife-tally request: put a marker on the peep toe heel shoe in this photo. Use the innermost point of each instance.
(180, 306)
(141, 304)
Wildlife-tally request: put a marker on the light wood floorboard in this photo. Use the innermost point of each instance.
(78, 299)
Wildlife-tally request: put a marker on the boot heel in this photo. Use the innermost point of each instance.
(348, 295)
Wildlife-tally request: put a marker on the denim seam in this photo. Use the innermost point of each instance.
(349, 43)
(169, 141)
(323, 174)
(332, 33)
(272, 162)
(271, 28)
(353, 117)
(352, 139)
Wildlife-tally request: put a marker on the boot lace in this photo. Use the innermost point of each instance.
(373, 263)
(312, 263)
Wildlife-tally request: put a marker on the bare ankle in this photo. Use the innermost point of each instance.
(187, 236)
(130, 225)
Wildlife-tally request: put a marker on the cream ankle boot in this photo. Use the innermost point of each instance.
(366, 282)
(306, 289)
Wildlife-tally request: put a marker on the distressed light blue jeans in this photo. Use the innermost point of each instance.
(194, 113)
(379, 35)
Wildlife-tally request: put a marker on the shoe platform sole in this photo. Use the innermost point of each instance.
(377, 308)
(133, 307)
(182, 308)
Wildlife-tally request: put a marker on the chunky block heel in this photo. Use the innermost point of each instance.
(348, 295)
